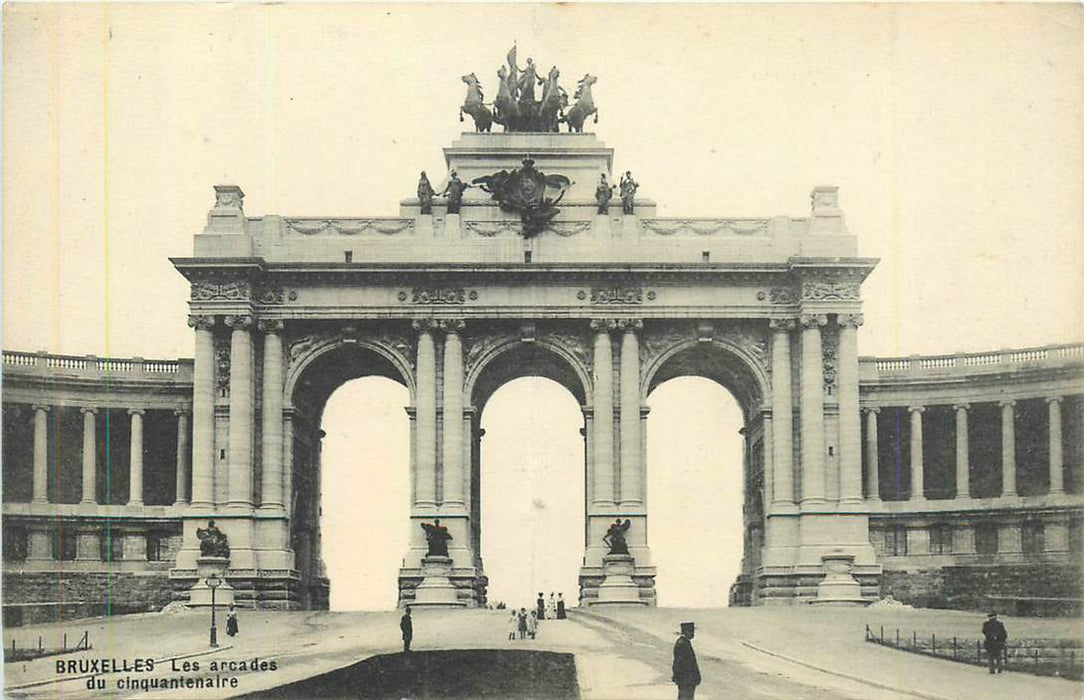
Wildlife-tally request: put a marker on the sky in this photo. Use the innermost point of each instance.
(955, 134)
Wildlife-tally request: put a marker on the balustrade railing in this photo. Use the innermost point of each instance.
(974, 361)
(90, 365)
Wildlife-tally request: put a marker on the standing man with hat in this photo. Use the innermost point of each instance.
(995, 635)
(686, 670)
(407, 627)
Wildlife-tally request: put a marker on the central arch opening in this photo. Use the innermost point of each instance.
(532, 491)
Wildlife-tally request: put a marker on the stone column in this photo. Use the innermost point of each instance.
(90, 460)
(873, 473)
(181, 494)
(1008, 448)
(782, 414)
(850, 420)
(963, 452)
(1057, 476)
(41, 454)
(453, 415)
(425, 489)
(603, 416)
(271, 439)
(288, 463)
(203, 413)
(918, 489)
(632, 480)
(812, 416)
(135, 461)
(240, 438)
(767, 439)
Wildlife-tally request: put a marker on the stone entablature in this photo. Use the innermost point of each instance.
(481, 232)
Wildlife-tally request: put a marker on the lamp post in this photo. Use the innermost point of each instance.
(213, 582)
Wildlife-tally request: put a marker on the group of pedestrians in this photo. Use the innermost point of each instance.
(523, 624)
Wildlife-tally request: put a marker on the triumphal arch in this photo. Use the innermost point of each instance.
(524, 260)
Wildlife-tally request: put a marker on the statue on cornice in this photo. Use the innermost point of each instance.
(454, 191)
(425, 194)
(603, 194)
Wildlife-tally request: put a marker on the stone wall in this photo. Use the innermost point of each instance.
(983, 587)
(46, 596)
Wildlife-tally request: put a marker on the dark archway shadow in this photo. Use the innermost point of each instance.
(452, 673)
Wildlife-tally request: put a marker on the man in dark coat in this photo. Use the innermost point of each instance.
(686, 670)
(407, 625)
(995, 635)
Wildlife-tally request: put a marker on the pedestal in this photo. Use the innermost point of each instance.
(839, 587)
(436, 589)
(199, 595)
(618, 588)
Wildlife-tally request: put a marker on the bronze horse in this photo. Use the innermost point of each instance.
(584, 107)
(553, 99)
(506, 109)
(474, 105)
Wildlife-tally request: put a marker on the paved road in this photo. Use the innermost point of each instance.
(728, 669)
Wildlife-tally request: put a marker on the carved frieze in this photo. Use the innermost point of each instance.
(705, 227)
(781, 295)
(491, 229)
(438, 295)
(830, 291)
(349, 227)
(271, 294)
(565, 229)
(615, 295)
(230, 290)
(478, 346)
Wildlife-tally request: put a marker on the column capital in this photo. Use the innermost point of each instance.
(270, 325)
(424, 325)
(872, 409)
(451, 325)
(962, 406)
(239, 322)
(916, 409)
(201, 322)
(1055, 399)
(88, 409)
(45, 408)
(850, 320)
(782, 325)
(1007, 403)
(603, 325)
(813, 320)
(184, 411)
(630, 325)
(136, 411)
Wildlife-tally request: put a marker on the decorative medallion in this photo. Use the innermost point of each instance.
(527, 192)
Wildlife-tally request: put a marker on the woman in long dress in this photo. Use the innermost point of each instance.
(560, 606)
(231, 621)
(551, 607)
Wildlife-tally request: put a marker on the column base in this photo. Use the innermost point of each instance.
(839, 587)
(199, 596)
(436, 589)
(618, 587)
